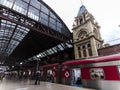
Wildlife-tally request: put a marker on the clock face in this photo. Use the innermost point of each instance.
(82, 34)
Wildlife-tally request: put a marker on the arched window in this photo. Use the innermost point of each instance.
(89, 46)
(79, 52)
(81, 20)
(83, 47)
(84, 50)
(89, 49)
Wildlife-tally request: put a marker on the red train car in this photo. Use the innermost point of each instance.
(101, 73)
(32, 72)
(49, 72)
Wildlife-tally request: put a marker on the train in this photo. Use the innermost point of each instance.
(101, 73)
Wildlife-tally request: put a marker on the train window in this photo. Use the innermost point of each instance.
(97, 73)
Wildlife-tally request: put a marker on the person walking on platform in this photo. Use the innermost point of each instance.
(37, 78)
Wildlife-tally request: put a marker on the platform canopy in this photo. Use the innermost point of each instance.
(28, 28)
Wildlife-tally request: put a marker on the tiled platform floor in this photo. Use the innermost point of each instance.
(29, 85)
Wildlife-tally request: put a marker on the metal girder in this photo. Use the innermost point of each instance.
(15, 17)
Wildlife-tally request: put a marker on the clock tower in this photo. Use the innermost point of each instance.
(86, 35)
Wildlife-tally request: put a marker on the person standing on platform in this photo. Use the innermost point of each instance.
(37, 78)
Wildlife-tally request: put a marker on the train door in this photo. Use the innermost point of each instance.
(76, 77)
(42, 78)
(29, 73)
(49, 75)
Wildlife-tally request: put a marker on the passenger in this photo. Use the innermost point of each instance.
(78, 81)
(20, 75)
(37, 78)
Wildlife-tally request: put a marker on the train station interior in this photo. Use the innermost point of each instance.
(34, 39)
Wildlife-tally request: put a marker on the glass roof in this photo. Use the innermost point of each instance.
(53, 50)
(38, 11)
(10, 36)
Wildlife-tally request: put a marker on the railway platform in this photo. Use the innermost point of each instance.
(29, 85)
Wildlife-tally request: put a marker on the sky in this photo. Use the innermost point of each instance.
(106, 13)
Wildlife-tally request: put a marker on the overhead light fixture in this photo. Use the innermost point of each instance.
(21, 63)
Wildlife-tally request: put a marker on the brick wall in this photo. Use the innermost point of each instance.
(109, 50)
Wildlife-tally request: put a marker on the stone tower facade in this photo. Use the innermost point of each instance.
(86, 35)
